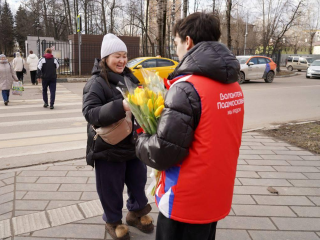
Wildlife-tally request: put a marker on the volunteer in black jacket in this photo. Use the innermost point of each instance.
(115, 165)
(198, 135)
(46, 72)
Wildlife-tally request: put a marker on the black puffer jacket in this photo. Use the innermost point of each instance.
(182, 111)
(102, 106)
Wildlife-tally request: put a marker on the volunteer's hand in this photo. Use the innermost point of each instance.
(125, 105)
(39, 80)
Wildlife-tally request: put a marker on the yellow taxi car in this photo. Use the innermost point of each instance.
(164, 66)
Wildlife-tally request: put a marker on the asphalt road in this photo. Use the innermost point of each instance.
(30, 134)
(285, 100)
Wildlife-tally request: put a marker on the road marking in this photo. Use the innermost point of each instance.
(45, 148)
(42, 140)
(42, 133)
(42, 121)
(27, 106)
(40, 113)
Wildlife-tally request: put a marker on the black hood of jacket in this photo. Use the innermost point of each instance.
(209, 59)
(114, 78)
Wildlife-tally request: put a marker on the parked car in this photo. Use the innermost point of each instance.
(164, 66)
(256, 67)
(314, 69)
(298, 63)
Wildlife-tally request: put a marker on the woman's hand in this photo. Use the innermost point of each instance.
(125, 105)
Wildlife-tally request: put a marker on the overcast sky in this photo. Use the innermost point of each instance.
(14, 5)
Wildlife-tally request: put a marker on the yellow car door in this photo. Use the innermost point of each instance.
(148, 64)
(165, 67)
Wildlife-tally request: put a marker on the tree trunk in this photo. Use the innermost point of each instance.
(264, 30)
(111, 16)
(104, 17)
(164, 25)
(312, 34)
(160, 22)
(147, 24)
(228, 13)
(45, 16)
(185, 8)
(76, 12)
(85, 9)
(214, 6)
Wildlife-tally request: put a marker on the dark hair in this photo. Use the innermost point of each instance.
(104, 69)
(199, 27)
(31, 52)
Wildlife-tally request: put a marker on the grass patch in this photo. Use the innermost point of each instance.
(305, 135)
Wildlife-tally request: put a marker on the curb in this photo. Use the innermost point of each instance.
(72, 80)
(289, 75)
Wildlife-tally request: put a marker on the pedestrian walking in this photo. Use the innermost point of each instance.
(199, 134)
(115, 165)
(47, 74)
(33, 61)
(18, 66)
(7, 76)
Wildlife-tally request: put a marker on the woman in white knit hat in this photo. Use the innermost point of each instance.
(115, 165)
(7, 76)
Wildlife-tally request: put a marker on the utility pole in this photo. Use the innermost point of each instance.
(245, 36)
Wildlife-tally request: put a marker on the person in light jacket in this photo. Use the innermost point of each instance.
(33, 60)
(18, 65)
(7, 76)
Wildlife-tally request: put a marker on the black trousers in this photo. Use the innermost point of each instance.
(20, 76)
(33, 76)
(110, 180)
(52, 84)
(168, 229)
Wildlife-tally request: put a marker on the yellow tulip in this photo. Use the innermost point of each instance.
(137, 90)
(160, 100)
(150, 105)
(133, 99)
(159, 110)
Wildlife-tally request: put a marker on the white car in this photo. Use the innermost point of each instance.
(314, 69)
(256, 67)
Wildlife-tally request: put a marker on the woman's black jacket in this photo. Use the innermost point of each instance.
(102, 106)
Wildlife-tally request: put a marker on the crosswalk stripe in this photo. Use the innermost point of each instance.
(42, 140)
(65, 98)
(61, 136)
(42, 133)
(39, 113)
(45, 148)
(37, 105)
(42, 121)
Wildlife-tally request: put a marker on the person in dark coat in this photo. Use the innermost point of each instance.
(47, 74)
(198, 135)
(115, 165)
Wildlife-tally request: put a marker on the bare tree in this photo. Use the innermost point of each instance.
(312, 22)
(185, 8)
(228, 16)
(277, 18)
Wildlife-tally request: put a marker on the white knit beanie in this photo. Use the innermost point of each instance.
(112, 44)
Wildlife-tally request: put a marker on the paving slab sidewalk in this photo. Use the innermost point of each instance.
(59, 201)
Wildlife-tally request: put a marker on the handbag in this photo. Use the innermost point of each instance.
(116, 132)
(23, 69)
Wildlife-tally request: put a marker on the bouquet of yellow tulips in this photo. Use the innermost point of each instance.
(146, 103)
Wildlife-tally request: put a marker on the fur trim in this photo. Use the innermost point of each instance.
(146, 220)
(121, 230)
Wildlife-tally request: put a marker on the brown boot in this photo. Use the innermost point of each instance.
(141, 220)
(118, 231)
